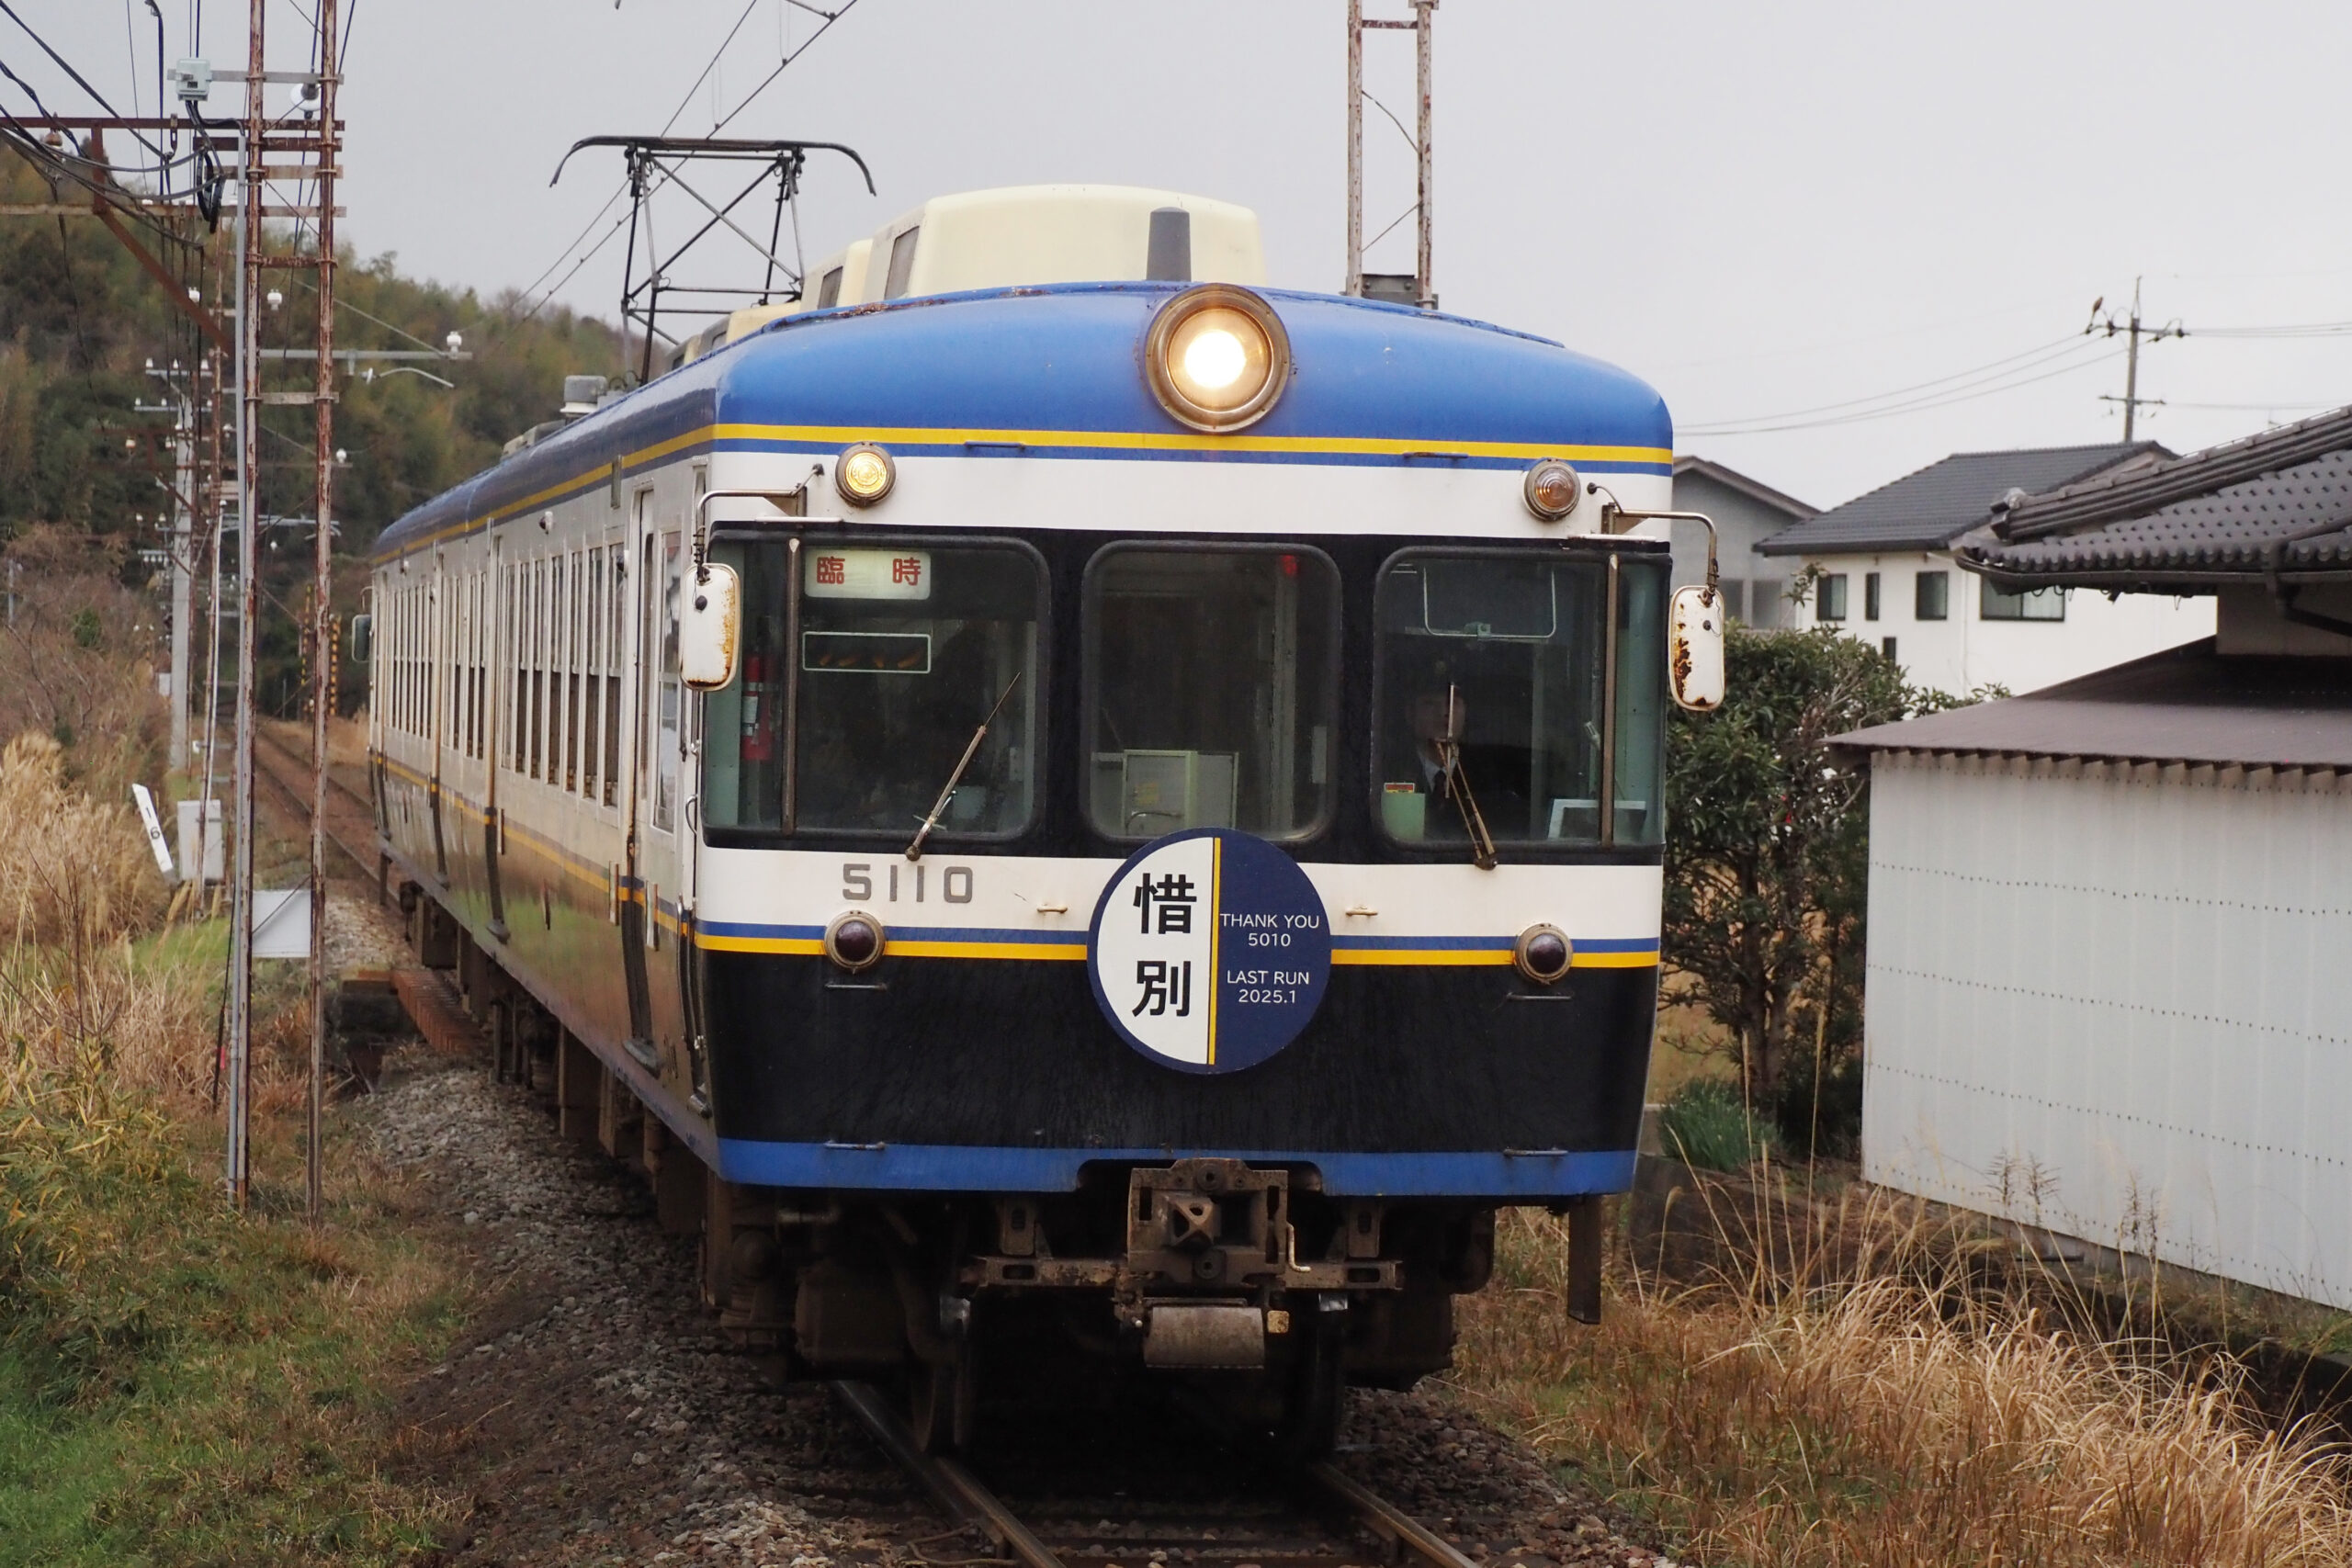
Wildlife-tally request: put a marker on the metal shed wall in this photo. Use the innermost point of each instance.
(2116, 1000)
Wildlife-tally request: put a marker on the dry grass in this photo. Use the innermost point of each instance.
(1897, 1415)
(178, 1384)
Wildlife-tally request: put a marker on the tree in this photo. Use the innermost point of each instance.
(1767, 859)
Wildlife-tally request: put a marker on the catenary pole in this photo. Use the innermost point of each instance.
(241, 919)
(322, 648)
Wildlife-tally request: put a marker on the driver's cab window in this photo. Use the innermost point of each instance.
(1492, 678)
(903, 651)
(669, 695)
(1211, 682)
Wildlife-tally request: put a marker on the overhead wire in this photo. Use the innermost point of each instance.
(2006, 382)
(584, 258)
(81, 81)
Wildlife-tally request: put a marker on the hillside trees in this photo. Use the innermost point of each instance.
(79, 324)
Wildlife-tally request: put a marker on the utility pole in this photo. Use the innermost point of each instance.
(322, 648)
(1420, 290)
(250, 181)
(2130, 400)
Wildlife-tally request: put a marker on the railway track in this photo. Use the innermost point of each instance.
(1215, 1506)
(1162, 1488)
(285, 772)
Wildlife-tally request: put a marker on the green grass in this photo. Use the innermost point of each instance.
(1705, 1125)
(179, 1384)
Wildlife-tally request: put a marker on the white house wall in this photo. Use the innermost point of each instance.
(2116, 1001)
(1964, 651)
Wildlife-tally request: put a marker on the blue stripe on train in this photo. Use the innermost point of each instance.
(953, 1168)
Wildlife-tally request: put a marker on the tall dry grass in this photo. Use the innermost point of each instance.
(84, 1019)
(1898, 1414)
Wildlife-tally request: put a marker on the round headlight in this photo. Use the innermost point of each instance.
(1551, 489)
(1217, 356)
(854, 941)
(864, 474)
(1542, 953)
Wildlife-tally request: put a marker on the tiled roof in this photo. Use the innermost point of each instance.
(1732, 479)
(1927, 510)
(2211, 516)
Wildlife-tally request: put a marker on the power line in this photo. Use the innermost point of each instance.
(2018, 370)
(566, 253)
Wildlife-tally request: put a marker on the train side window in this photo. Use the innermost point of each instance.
(904, 649)
(1212, 681)
(1502, 658)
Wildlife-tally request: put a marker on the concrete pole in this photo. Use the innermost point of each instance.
(241, 919)
(183, 578)
(322, 648)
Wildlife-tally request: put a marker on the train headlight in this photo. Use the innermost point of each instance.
(1552, 489)
(1544, 953)
(855, 940)
(864, 474)
(1217, 357)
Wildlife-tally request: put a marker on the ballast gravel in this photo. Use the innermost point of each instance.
(591, 1413)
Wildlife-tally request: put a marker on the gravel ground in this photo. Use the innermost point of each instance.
(591, 1415)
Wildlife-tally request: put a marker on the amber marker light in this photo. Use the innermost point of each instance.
(1217, 357)
(855, 940)
(1542, 953)
(1551, 489)
(864, 474)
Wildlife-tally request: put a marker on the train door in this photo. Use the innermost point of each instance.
(499, 640)
(441, 617)
(637, 926)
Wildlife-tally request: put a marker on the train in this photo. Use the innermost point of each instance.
(1080, 817)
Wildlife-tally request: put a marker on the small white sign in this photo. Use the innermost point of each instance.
(282, 922)
(868, 574)
(154, 827)
(200, 841)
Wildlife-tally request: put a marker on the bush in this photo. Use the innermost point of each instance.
(1707, 1125)
(1832, 1126)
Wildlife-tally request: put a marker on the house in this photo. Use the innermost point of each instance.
(2108, 920)
(1745, 512)
(1882, 571)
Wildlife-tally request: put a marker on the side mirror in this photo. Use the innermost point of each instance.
(1694, 649)
(707, 627)
(362, 628)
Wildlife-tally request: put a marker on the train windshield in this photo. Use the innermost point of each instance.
(1212, 678)
(1498, 664)
(903, 651)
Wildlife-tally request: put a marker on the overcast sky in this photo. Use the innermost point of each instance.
(1762, 210)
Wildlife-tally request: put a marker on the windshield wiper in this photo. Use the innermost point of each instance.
(1457, 785)
(939, 806)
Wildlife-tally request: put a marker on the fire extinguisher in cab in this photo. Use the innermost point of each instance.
(759, 728)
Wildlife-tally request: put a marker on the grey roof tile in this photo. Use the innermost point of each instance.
(2206, 517)
(1928, 509)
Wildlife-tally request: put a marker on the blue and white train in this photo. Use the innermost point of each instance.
(1067, 808)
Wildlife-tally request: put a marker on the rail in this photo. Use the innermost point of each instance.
(967, 1501)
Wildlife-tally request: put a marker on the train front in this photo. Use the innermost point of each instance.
(1180, 834)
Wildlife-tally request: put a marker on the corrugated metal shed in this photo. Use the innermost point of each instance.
(1928, 509)
(2109, 998)
(2184, 704)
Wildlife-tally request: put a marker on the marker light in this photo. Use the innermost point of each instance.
(855, 940)
(1217, 357)
(864, 474)
(1552, 489)
(1542, 953)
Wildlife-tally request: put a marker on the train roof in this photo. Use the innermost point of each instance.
(1056, 371)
